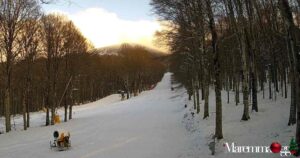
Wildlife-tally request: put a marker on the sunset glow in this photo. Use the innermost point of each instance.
(104, 28)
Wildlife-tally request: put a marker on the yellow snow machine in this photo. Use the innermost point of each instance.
(61, 140)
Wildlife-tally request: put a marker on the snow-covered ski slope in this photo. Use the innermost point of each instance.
(154, 124)
(147, 126)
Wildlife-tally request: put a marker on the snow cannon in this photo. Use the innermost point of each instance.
(55, 134)
(61, 140)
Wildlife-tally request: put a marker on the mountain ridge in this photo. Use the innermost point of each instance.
(115, 50)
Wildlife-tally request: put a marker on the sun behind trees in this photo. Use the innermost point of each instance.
(46, 64)
(233, 45)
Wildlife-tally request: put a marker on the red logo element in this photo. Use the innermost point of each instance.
(275, 147)
(293, 152)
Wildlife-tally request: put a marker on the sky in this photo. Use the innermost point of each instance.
(110, 22)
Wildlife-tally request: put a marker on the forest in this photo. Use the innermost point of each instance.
(46, 63)
(246, 46)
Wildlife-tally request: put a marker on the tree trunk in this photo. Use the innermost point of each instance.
(243, 43)
(219, 133)
(227, 88)
(293, 56)
(66, 108)
(52, 115)
(254, 93)
(285, 87)
(218, 86)
(281, 85)
(28, 101)
(198, 99)
(70, 111)
(276, 77)
(7, 111)
(292, 117)
(194, 94)
(128, 95)
(263, 88)
(47, 117)
(237, 90)
(206, 98)
(245, 85)
(28, 116)
(202, 91)
(24, 111)
(71, 104)
(245, 116)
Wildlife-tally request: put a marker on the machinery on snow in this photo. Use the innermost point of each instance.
(61, 140)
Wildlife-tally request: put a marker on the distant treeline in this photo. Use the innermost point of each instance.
(93, 77)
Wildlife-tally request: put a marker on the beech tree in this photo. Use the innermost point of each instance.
(215, 51)
(13, 14)
(292, 44)
(233, 45)
(46, 63)
(29, 42)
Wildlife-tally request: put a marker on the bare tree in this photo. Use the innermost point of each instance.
(292, 39)
(52, 34)
(29, 41)
(13, 14)
(218, 131)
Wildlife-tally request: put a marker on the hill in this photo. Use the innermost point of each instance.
(117, 49)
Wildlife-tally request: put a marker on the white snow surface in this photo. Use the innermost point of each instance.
(154, 124)
(146, 126)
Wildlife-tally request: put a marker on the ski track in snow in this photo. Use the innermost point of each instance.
(147, 126)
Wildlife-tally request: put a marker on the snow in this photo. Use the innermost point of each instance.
(145, 126)
(153, 124)
(38, 118)
(266, 126)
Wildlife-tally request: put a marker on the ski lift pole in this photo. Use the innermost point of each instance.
(67, 86)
